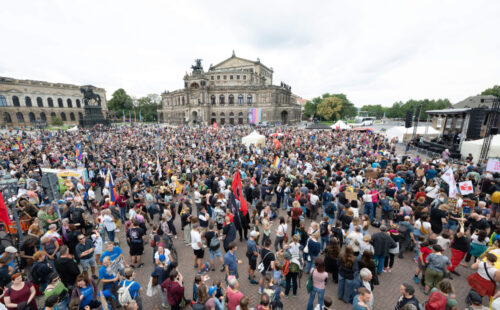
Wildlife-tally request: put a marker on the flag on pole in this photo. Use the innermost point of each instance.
(123, 115)
(140, 116)
(112, 190)
(4, 215)
(129, 116)
(158, 167)
(135, 117)
(78, 151)
(237, 191)
(277, 162)
(19, 145)
(449, 178)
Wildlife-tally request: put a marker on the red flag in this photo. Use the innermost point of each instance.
(19, 144)
(4, 215)
(237, 191)
(215, 125)
(276, 144)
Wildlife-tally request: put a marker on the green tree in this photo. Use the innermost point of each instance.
(309, 109)
(495, 91)
(148, 107)
(56, 121)
(347, 110)
(374, 110)
(330, 108)
(120, 101)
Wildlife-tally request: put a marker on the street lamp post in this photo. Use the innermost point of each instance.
(9, 188)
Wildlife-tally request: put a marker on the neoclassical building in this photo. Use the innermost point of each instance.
(24, 101)
(227, 93)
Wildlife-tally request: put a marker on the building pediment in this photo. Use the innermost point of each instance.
(233, 63)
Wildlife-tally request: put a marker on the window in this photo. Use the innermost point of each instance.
(63, 116)
(237, 77)
(225, 77)
(459, 123)
(50, 102)
(212, 99)
(43, 117)
(20, 117)
(231, 99)
(72, 116)
(80, 115)
(3, 101)
(6, 118)
(32, 117)
(15, 101)
(53, 114)
(249, 99)
(39, 102)
(212, 77)
(78, 103)
(60, 103)
(70, 104)
(244, 77)
(230, 77)
(240, 99)
(27, 101)
(221, 99)
(218, 77)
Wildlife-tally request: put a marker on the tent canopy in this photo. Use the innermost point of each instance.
(474, 147)
(73, 128)
(404, 134)
(340, 125)
(253, 138)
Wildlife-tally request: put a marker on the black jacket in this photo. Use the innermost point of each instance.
(67, 269)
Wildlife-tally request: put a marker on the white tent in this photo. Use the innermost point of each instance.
(73, 129)
(404, 134)
(253, 138)
(474, 147)
(340, 125)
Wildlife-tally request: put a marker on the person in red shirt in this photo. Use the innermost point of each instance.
(420, 193)
(175, 290)
(296, 212)
(425, 250)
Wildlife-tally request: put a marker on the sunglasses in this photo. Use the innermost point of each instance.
(80, 239)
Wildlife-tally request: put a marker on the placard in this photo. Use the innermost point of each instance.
(493, 165)
(466, 187)
(452, 203)
(468, 205)
(372, 174)
(351, 196)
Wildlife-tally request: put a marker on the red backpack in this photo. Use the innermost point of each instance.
(437, 301)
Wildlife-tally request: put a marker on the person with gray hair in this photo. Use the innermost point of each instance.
(364, 280)
(233, 294)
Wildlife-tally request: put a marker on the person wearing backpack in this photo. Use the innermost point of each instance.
(213, 242)
(406, 236)
(40, 270)
(441, 297)
(130, 289)
(324, 231)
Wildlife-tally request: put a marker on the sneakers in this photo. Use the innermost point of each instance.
(385, 269)
(117, 230)
(455, 273)
(286, 296)
(201, 272)
(415, 278)
(389, 270)
(260, 291)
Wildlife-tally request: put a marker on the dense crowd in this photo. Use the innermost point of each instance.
(330, 205)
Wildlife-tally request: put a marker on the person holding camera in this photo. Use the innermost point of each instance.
(175, 291)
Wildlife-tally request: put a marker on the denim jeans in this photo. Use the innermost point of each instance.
(345, 289)
(325, 240)
(310, 263)
(111, 235)
(312, 295)
(369, 210)
(123, 214)
(219, 305)
(380, 263)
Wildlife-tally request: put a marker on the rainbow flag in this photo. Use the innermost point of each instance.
(78, 151)
(112, 190)
(277, 162)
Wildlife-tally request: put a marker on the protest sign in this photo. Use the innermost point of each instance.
(493, 165)
(466, 187)
(351, 196)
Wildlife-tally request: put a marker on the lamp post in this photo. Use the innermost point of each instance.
(9, 188)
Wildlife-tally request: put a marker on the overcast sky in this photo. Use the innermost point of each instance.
(376, 52)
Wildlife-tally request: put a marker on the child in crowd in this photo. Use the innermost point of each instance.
(425, 250)
(444, 240)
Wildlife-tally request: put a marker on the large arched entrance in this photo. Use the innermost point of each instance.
(194, 117)
(284, 117)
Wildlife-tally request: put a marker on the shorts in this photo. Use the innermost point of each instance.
(252, 262)
(388, 215)
(220, 226)
(87, 262)
(433, 277)
(451, 225)
(136, 249)
(267, 273)
(199, 253)
(214, 253)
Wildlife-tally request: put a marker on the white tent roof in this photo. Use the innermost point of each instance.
(341, 125)
(73, 129)
(253, 138)
(474, 147)
(400, 131)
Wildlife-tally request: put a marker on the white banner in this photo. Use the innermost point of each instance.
(466, 187)
(493, 165)
(449, 178)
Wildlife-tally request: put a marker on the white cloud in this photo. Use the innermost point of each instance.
(376, 52)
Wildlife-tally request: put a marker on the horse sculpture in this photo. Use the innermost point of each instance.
(88, 95)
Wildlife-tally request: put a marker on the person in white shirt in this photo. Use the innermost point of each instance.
(280, 233)
(355, 238)
(197, 246)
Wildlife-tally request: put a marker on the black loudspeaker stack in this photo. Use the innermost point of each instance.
(408, 119)
(475, 122)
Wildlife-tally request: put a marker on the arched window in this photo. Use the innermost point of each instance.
(231, 99)
(240, 99)
(212, 99)
(80, 115)
(70, 104)
(78, 103)
(52, 114)
(249, 99)
(60, 103)
(240, 118)
(43, 117)
(3, 101)
(231, 114)
(72, 116)
(20, 117)
(63, 116)
(27, 101)
(32, 117)
(6, 118)
(15, 101)
(50, 102)
(221, 99)
(39, 102)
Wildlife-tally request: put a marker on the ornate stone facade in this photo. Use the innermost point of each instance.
(24, 101)
(225, 93)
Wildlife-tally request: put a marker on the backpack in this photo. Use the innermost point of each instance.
(76, 214)
(35, 277)
(437, 301)
(403, 230)
(214, 243)
(124, 293)
(323, 229)
(386, 205)
(329, 209)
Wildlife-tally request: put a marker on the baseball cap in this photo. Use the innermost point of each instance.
(10, 249)
(162, 258)
(212, 290)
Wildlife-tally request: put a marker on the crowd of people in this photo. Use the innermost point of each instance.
(319, 205)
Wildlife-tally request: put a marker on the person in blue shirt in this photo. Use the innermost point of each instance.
(86, 291)
(431, 173)
(327, 198)
(134, 287)
(231, 262)
(108, 279)
(362, 300)
(114, 252)
(399, 181)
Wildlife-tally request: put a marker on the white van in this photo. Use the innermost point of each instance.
(361, 121)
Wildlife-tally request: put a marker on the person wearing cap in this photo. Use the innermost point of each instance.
(11, 252)
(214, 303)
(382, 242)
(5, 271)
(436, 264)
(159, 275)
(407, 296)
(476, 301)
(252, 254)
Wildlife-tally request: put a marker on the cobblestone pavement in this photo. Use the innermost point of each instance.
(385, 294)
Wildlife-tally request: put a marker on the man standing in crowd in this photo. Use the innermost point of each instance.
(135, 239)
(85, 252)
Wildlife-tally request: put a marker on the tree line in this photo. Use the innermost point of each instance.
(146, 107)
